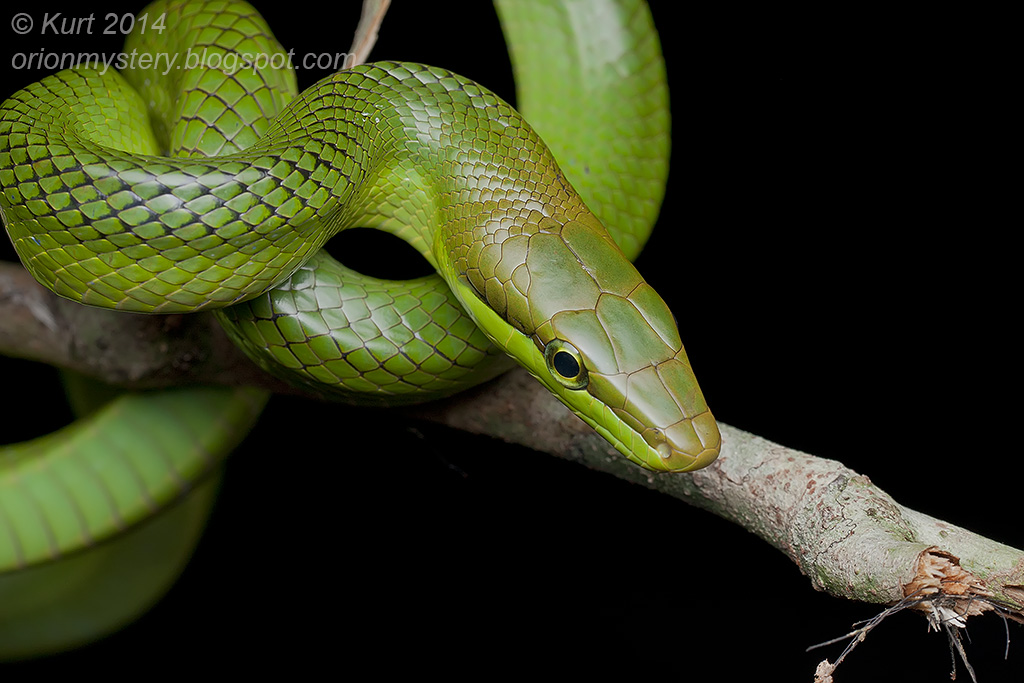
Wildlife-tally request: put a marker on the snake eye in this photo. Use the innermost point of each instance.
(565, 364)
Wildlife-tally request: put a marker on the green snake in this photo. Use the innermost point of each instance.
(225, 202)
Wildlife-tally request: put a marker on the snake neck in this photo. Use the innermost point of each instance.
(541, 275)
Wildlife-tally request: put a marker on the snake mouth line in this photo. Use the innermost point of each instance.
(635, 447)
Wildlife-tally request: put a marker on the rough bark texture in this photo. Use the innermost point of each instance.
(849, 537)
(129, 350)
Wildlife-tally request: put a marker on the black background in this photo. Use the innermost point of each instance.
(842, 283)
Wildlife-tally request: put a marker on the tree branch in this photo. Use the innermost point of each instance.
(127, 350)
(849, 537)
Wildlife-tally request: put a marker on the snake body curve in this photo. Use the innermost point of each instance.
(525, 268)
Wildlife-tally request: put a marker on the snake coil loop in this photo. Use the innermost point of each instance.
(225, 204)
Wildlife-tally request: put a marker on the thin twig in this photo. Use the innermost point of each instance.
(366, 32)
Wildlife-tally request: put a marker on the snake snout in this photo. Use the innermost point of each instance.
(687, 445)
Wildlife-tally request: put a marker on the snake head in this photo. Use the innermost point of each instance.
(597, 335)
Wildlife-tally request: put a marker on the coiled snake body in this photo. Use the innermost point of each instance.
(258, 180)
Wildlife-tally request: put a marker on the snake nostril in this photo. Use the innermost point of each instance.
(378, 254)
(664, 450)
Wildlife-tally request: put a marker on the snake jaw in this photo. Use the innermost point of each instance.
(627, 409)
(657, 453)
(665, 424)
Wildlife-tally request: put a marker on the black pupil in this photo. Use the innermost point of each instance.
(565, 364)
